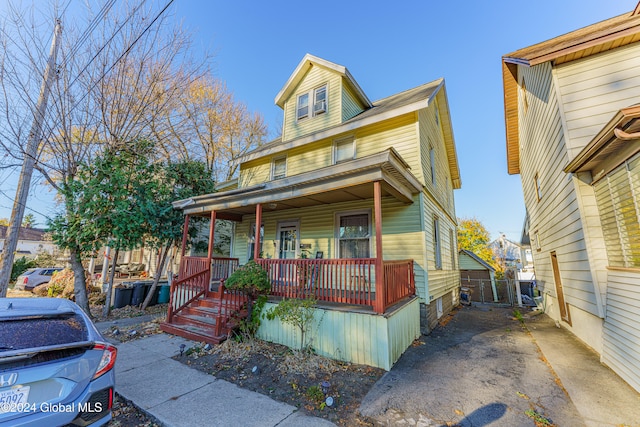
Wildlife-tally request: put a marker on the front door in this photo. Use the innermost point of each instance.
(288, 240)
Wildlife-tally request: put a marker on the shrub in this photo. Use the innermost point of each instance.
(251, 280)
(298, 313)
(20, 265)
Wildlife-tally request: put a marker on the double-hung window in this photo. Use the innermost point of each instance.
(279, 168)
(354, 235)
(318, 100)
(303, 106)
(343, 150)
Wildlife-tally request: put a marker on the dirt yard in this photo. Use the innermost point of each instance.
(289, 376)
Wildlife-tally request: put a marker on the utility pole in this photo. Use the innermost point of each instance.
(30, 154)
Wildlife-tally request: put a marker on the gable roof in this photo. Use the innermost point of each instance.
(305, 65)
(24, 233)
(584, 42)
(392, 106)
(477, 259)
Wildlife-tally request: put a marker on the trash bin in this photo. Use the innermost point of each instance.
(139, 293)
(154, 298)
(163, 294)
(122, 297)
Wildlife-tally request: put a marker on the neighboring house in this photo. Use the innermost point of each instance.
(510, 253)
(573, 136)
(477, 276)
(353, 203)
(31, 241)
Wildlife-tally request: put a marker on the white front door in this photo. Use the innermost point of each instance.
(288, 240)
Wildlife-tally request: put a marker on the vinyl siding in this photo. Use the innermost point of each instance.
(350, 106)
(468, 263)
(361, 338)
(398, 133)
(593, 89)
(622, 326)
(400, 230)
(431, 136)
(315, 77)
(443, 280)
(556, 217)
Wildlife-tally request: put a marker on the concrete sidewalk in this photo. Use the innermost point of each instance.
(177, 395)
(601, 397)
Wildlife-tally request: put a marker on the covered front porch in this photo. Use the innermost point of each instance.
(346, 270)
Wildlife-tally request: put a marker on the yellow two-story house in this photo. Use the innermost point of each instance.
(354, 203)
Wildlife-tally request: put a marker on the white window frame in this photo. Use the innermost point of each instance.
(340, 141)
(252, 239)
(432, 161)
(312, 101)
(273, 167)
(439, 309)
(323, 109)
(298, 116)
(437, 243)
(337, 239)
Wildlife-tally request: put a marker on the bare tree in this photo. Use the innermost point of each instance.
(207, 123)
(114, 77)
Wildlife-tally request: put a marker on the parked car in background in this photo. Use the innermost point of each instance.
(55, 367)
(34, 277)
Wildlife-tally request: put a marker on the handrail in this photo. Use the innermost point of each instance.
(399, 281)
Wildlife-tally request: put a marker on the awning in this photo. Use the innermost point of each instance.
(614, 144)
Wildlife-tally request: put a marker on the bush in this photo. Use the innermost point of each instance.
(20, 265)
(250, 279)
(296, 312)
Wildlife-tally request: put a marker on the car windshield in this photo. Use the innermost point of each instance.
(22, 333)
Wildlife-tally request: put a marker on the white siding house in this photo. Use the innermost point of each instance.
(572, 135)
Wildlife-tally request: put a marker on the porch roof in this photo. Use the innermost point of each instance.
(336, 183)
(617, 141)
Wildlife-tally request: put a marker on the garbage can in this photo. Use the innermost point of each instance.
(163, 294)
(139, 293)
(122, 297)
(154, 298)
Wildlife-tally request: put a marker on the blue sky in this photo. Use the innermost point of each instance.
(389, 47)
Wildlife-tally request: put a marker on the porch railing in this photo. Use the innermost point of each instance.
(221, 268)
(399, 281)
(347, 281)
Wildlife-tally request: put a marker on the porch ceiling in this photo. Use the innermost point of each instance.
(347, 181)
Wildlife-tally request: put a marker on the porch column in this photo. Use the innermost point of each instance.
(212, 229)
(256, 238)
(380, 285)
(185, 233)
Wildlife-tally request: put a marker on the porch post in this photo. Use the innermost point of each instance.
(380, 285)
(185, 233)
(256, 237)
(212, 230)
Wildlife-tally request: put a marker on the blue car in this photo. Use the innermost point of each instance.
(55, 367)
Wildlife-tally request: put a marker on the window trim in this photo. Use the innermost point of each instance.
(344, 139)
(537, 185)
(432, 164)
(311, 102)
(273, 167)
(339, 215)
(252, 239)
(437, 243)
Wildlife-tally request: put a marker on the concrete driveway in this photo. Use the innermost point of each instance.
(482, 369)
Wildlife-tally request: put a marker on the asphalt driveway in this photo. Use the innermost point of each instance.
(482, 368)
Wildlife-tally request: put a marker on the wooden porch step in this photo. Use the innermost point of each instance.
(193, 332)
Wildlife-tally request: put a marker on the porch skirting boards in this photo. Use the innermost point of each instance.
(363, 338)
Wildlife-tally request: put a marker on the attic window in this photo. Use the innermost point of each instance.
(303, 106)
(319, 99)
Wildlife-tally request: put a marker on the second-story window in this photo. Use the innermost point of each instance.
(343, 150)
(318, 100)
(279, 168)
